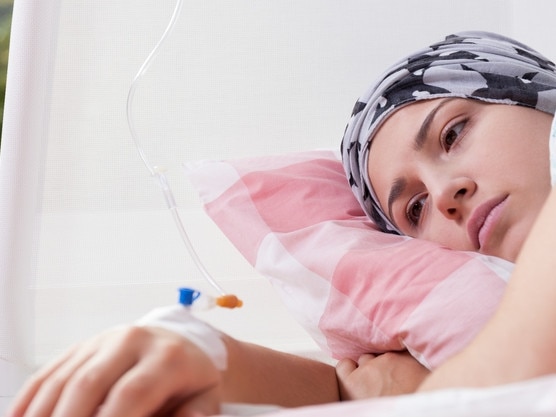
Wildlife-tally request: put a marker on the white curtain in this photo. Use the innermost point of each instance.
(86, 241)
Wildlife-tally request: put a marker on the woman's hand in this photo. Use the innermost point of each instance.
(375, 376)
(132, 372)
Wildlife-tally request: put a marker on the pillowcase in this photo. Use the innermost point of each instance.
(355, 289)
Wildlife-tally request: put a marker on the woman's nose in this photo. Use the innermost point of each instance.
(452, 196)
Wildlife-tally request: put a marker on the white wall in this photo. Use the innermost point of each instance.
(533, 24)
(236, 78)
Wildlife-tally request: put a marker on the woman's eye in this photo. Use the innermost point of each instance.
(415, 209)
(452, 134)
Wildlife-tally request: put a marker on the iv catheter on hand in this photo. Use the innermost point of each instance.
(225, 300)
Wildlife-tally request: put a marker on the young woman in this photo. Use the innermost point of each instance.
(450, 145)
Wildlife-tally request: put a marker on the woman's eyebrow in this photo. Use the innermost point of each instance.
(396, 191)
(423, 132)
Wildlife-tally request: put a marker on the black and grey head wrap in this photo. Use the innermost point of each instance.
(478, 65)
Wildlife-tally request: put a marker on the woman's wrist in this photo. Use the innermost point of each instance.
(178, 319)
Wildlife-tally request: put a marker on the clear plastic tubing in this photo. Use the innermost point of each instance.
(156, 172)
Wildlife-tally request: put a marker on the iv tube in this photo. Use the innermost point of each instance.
(156, 172)
(137, 79)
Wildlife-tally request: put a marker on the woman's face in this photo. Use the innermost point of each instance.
(468, 175)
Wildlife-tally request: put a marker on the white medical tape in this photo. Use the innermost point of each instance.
(178, 319)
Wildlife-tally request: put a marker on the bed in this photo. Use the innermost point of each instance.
(532, 398)
(84, 225)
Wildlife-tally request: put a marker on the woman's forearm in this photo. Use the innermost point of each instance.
(259, 375)
(519, 342)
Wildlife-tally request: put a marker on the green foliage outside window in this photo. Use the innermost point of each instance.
(6, 7)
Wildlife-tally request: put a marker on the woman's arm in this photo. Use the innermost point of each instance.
(140, 371)
(259, 375)
(519, 342)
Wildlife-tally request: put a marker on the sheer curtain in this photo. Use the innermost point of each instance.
(86, 241)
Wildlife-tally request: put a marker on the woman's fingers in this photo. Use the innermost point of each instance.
(365, 358)
(133, 372)
(345, 367)
(373, 376)
(87, 387)
(39, 394)
(30, 388)
(171, 371)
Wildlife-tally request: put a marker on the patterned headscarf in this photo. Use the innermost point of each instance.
(477, 65)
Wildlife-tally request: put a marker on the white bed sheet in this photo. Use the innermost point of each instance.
(534, 398)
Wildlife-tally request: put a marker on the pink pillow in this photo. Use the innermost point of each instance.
(355, 289)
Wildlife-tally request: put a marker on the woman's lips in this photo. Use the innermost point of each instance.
(483, 220)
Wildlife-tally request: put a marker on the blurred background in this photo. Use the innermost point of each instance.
(6, 7)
